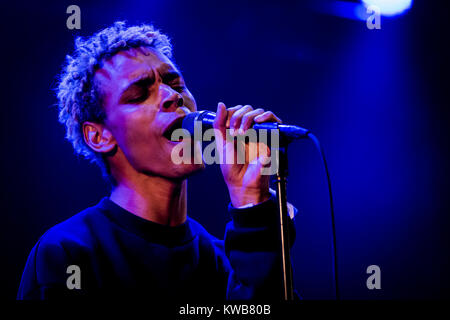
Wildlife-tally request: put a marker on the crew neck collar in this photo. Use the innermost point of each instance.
(149, 230)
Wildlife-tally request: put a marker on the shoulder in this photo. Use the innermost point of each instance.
(75, 231)
(59, 247)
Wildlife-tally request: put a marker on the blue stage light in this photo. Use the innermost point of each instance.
(390, 7)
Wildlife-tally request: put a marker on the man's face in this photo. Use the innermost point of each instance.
(143, 94)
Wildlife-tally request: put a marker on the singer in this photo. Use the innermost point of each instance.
(120, 95)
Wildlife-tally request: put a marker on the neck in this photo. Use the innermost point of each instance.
(156, 199)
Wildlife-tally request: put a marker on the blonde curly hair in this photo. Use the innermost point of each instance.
(79, 98)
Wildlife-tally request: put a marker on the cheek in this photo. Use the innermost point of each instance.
(133, 133)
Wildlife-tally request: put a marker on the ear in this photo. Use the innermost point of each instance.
(98, 137)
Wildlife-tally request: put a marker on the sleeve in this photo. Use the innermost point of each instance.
(292, 211)
(252, 246)
(45, 275)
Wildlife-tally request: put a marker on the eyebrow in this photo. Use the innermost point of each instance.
(148, 78)
(170, 76)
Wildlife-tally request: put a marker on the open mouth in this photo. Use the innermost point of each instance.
(174, 125)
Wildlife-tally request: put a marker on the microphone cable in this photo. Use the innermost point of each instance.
(333, 220)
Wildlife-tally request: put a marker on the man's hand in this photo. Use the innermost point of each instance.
(245, 183)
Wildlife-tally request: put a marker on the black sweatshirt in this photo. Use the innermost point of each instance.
(121, 255)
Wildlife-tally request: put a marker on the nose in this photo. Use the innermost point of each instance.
(171, 100)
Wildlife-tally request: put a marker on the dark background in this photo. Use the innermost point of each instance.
(376, 99)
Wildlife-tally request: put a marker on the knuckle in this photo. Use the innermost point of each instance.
(246, 123)
(234, 109)
(247, 117)
(234, 119)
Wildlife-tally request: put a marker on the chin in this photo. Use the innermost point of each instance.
(184, 171)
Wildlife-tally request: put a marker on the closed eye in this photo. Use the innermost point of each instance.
(138, 91)
(179, 88)
(138, 99)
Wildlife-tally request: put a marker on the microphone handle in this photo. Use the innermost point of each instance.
(207, 118)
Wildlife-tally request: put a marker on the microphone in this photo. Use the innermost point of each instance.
(289, 132)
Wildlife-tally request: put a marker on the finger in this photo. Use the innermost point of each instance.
(236, 118)
(247, 119)
(231, 111)
(257, 150)
(220, 129)
(255, 169)
(264, 153)
(267, 117)
(221, 117)
(235, 108)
